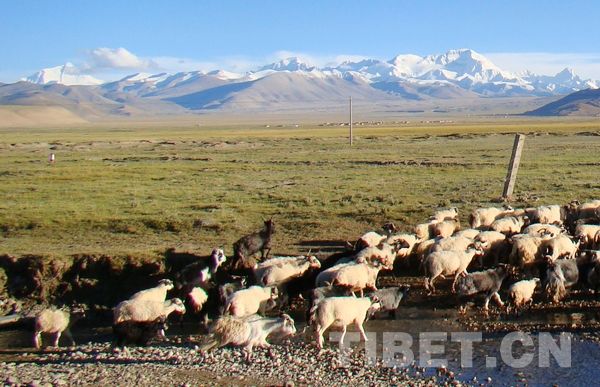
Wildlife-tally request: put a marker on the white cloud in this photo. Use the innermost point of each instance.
(586, 65)
(116, 58)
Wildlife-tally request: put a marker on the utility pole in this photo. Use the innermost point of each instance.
(350, 121)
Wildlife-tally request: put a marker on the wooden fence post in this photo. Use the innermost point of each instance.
(513, 167)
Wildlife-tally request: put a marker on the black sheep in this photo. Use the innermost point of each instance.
(138, 332)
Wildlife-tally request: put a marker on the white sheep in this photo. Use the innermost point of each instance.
(250, 301)
(384, 254)
(369, 239)
(452, 243)
(442, 263)
(586, 233)
(526, 249)
(405, 243)
(553, 214)
(282, 272)
(424, 231)
(560, 246)
(482, 218)
(422, 249)
(146, 310)
(520, 293)
(542, 229)
(325, 277)
(157, 293)
(492, 243)
(470, 233)
(357, 277)
(446, 214)
(509, 225)
(56, 322)
(198, 298)
(589, 209)
(341, 311)
(248, 332)
(446, 228)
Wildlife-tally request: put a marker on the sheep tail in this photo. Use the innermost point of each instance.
(313, 313)
(212, 344)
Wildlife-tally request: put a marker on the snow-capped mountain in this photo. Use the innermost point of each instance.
(66, 74)
(453, 76)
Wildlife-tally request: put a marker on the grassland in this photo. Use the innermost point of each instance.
(138, 190)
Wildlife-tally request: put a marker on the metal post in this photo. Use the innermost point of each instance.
(513, 167)
(350, 121)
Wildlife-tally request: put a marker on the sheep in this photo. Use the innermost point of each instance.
(588, 209)
(405, 243)
(282, 272)
(482, 218)
(509, 225)
(470, 233)
(560, 246)
(245, 247)
(446, 228)
(56, 322)
(424, 231)
(341, 311)
(227, 289)
(441, 263)
(586, 233)
(248, 332)
(139, 332)
(369, 239)
(357, 277)
(526, 249)
(315, 295)
(452, 244)
(384, 254)
(422, 250)
(157, 293)
(250, 301)
(521, 293)
(560, 275)
(447, 214)
(325, 277)
(197, 297)
(487, 281)
(553, 214)
(494, 245)
(541, 229)
(146, 310)
(199, 273)
(390, 298)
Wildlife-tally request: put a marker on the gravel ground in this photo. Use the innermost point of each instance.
(178, 364)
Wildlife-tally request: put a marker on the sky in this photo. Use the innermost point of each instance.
(106, 38)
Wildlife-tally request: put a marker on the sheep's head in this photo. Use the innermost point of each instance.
(270, 225)
(537, 281)
(289, 327)
(167, 283)
(314, 262)
(179, 305)
(217, 258)
(375, 306)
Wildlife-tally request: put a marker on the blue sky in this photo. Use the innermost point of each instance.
(543, 36)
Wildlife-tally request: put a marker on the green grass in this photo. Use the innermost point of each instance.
(140, 190)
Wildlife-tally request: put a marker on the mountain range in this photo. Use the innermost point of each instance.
(405, 80)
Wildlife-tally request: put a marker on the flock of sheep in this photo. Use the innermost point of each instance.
(552, 246)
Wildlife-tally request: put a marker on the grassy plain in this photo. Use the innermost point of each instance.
(139, 189)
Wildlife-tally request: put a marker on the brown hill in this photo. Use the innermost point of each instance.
(581, 103)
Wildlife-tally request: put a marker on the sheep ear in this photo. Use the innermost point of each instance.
(374, 299)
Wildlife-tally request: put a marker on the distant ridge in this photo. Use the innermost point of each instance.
(580, 103)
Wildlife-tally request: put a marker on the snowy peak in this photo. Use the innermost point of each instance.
(66, 74)
(289, 64)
